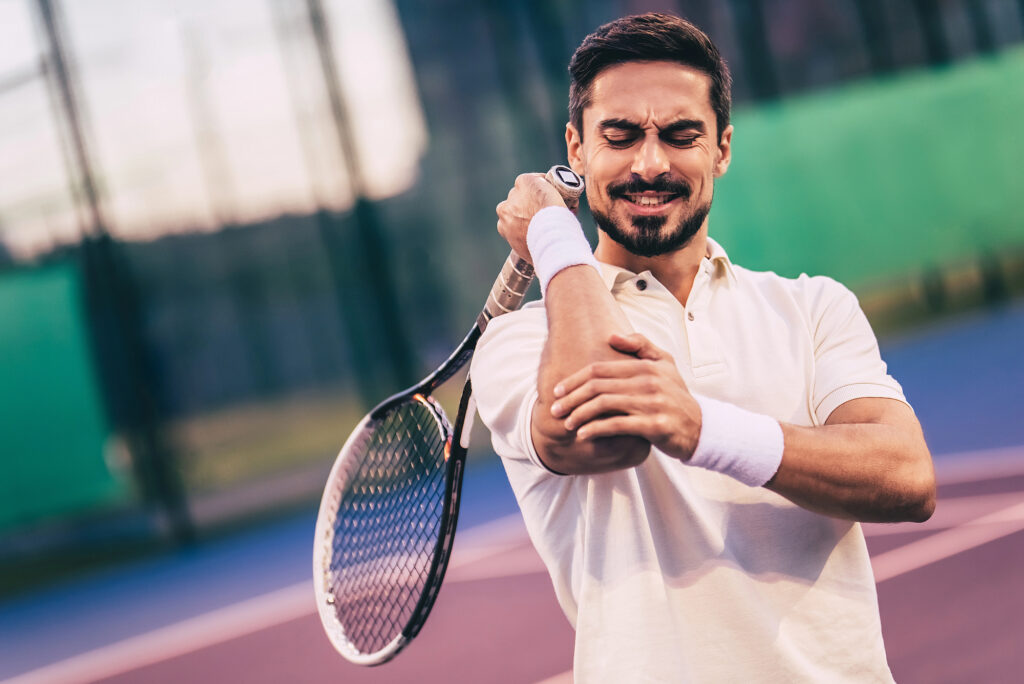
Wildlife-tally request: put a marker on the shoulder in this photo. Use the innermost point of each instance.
(514, 335)
(813, 294)
(530, 320)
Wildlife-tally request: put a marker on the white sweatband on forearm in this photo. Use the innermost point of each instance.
(736, 442)
(556, 242)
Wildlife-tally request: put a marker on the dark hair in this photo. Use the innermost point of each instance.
(650, 37)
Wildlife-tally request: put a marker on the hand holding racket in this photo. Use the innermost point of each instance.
(388, 514)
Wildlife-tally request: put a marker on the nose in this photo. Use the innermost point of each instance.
(650, 160)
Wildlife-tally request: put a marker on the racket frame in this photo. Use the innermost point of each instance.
(455, 457)
(506, 295)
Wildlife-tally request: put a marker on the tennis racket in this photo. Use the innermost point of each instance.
(387, 518)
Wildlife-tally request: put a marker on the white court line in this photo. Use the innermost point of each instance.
(240, 619)
(926, 551)
(183, 637)
(987, 464)
(951, 512)
(941, 545)
(485, 541)
(513, 563)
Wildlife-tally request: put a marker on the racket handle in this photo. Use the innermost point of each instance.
(568, 184)
(508, 290)
(516, 275)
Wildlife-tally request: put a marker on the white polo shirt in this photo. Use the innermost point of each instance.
(672, 573)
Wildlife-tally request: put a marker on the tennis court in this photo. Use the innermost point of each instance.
(241, 610)
(227, 229)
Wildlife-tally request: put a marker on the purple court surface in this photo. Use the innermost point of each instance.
(241, 610)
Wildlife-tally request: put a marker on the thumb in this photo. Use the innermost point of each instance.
(637, 345)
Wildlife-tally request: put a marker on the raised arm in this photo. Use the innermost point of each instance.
(581, 315)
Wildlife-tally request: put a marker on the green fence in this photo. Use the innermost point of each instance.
(869, 183)
(52, 430)
(881, 179)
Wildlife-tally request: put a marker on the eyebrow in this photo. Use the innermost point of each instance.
(674, 127)
(684, 125)
(620, 124)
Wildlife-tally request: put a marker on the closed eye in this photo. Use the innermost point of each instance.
(680, 139)
(621, 141)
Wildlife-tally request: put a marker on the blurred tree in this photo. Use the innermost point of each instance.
(516, 81)
(114, 310)
(370, 289)
(546, 20)
(754, 44)
(213, 159)
(929, 15)
(877, 36)
(981, 29)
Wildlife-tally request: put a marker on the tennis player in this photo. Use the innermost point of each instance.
(692, 443)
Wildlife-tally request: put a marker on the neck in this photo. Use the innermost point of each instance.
(675, 270)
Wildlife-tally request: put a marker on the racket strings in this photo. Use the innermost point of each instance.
(387, 525)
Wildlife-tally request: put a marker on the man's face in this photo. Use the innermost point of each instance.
(650, 153)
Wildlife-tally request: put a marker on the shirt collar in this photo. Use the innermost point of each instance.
(720, 261)
(716, 257)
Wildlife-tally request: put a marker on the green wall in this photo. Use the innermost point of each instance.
(52, 430)
(879, 179)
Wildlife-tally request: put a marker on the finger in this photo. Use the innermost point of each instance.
(567, 403)
(644, 384)
(637, 345)
(604, 405)
(527, 179)
(626, 368)
(539, 190)
(616, 426)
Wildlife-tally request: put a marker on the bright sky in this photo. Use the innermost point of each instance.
(202, 110)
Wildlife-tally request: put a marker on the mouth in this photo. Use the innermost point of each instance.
(657, 196)
(650, 199)
(649, 202)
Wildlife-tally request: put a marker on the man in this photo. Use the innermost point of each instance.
(691, 442)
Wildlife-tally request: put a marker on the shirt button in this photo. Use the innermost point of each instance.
(641, 284)
(689, 316)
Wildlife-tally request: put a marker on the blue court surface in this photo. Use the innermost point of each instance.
(965, 378)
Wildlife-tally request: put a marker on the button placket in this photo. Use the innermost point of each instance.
(705, 352)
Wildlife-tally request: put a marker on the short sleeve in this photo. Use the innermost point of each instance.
(847, 363)
(504, 372)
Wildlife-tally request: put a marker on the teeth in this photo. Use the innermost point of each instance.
(645, 201)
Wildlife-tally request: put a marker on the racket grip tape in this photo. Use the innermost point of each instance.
(517, 273)
(508, 290)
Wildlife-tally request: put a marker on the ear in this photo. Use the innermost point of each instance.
(724, 152)
(574, 149)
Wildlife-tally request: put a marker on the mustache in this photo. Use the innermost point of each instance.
(663, 183)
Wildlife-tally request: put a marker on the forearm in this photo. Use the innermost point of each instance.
(869, 463)
(582, 315)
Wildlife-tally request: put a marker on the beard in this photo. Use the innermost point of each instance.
(649, 237)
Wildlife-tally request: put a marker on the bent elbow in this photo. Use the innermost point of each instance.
(926, 510)
(563, 453)
(925, 502)
(921, 494)
(624, 451)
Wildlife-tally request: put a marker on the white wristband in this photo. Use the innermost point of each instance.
(556, 242)
(736, 442)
